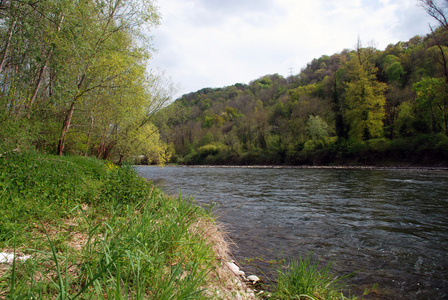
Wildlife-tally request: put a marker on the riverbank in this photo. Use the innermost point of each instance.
(76, 227)
(79, 227)
(329, 167)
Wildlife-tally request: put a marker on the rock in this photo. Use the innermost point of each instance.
(8, 258)
(235, 269)
(254, 279)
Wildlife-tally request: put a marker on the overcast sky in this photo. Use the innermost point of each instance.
(217, 43)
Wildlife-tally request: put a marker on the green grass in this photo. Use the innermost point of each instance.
(96, 231)
(306, 279)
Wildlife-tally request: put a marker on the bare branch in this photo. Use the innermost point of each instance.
(438, 12)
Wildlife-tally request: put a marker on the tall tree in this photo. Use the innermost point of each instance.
(364, 98)
(112, 19)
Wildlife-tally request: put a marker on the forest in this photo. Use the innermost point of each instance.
(359, 107)
(74, 78)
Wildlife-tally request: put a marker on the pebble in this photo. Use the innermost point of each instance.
(8, 258)
(253, 278)
(235, 269)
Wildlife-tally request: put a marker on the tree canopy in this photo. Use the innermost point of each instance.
(73, 77)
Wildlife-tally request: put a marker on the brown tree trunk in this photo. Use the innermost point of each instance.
(39, 82)
(120, 161)
(108, 149)
(67, 121)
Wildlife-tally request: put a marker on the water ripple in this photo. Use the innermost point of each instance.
(389, 225)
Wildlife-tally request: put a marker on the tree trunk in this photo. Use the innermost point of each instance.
(120, 161)
(39, 82)
(88, 136)
(67, 121)
(8, 41)
(108, 149)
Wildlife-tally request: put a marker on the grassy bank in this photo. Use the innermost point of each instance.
(80, 228)
(96, 231)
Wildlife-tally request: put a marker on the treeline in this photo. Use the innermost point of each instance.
(73, 78)
(358, 106)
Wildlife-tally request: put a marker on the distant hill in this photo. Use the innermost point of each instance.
(362, 106)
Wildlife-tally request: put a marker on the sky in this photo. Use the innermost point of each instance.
(217, 43)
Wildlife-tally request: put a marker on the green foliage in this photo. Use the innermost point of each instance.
(232, 112)
(123, 187)
(264, 83)
(432, 100)
(208, 122)
(301, 91)
(37, 188)
(317, 128)
(404, 125)
(79, 86)
(393, 68)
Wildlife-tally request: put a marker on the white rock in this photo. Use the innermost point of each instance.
(253, 278)
(8, 258)
(234, 268)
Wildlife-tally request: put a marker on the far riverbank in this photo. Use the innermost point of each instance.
(329, 167)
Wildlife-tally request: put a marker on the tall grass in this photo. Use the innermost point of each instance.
(96, 231)
(305, 278)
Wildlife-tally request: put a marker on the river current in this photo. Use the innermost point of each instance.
(388, 226)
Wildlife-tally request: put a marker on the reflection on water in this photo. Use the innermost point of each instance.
(389, 225)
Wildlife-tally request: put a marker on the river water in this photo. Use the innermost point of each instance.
(388, 226)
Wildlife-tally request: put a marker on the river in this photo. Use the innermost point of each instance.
(388, 226)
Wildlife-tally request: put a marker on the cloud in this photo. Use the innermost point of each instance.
(214, 43)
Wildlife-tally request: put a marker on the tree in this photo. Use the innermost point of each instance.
(114, 20)
(81, 64)
(317, 128)
(404, 125)
(364, 98)
(432, 101)
(393, 68)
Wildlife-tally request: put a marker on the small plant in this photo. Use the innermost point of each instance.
(304, 279)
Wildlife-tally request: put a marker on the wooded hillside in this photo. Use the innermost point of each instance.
(365, 106)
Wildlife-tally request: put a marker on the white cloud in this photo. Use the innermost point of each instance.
(214, 43)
